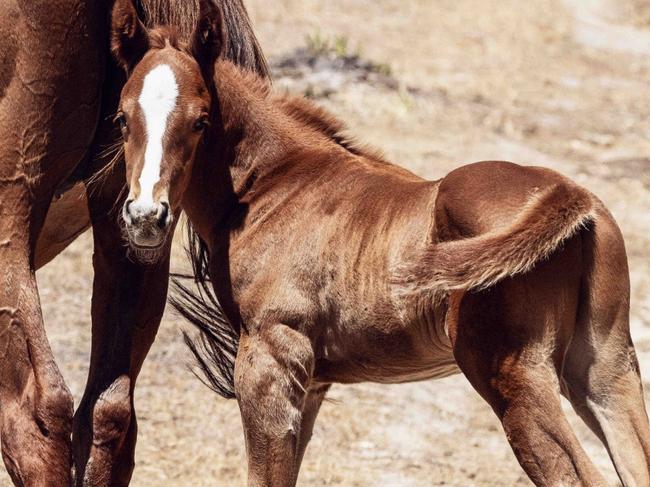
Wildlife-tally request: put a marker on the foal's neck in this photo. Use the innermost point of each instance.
(252, 136)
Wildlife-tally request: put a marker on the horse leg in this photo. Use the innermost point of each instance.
(272, 374)
(313, 401)
(509, 341)
(601, 374)
(67, 218)
(52, 57)
(128, 304)
(35, 404)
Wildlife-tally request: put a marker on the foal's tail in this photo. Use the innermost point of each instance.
(548, 219)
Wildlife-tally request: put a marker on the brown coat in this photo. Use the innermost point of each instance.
(333, 265)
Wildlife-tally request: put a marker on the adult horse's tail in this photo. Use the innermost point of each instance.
(548, 219)
(215, 348)
(241, 46)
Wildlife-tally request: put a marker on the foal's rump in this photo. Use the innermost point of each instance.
(495, 220)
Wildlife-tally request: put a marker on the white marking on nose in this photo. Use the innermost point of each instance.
(157, 100)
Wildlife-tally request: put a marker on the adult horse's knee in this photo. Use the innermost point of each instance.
(54, 410)
(112, 414)
(103, 455)
(36, 435)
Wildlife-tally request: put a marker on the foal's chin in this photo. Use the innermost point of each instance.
(148, 251)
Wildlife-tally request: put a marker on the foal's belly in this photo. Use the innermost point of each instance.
(388, 358)
(345, 372)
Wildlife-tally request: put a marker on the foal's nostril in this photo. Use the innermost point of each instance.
(163, 214)
(127, 211)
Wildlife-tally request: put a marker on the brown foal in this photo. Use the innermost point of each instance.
(335, 266)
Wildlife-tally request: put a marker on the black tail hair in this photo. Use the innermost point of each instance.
(216, 346)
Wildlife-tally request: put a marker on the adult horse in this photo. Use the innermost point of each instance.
(335, 266)
(58, 94)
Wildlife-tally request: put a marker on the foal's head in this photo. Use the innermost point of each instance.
(164, 110)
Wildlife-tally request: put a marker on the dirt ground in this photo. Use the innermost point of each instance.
(562, 84)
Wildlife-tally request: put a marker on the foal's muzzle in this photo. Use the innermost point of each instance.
(147, 225)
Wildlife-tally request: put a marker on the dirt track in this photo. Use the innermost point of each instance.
(479, 79)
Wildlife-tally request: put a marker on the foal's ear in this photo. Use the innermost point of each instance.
(129, 38)
(208, 37)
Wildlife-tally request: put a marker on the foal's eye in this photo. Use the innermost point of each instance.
(120, 119)
(201, 124)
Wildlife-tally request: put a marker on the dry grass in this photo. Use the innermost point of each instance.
(496, 79)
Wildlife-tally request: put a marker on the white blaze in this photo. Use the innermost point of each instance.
(157, 100)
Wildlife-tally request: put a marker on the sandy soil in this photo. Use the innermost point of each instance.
(478, 79)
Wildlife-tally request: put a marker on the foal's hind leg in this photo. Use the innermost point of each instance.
(601, 373)
(509, 342)
(272, 375)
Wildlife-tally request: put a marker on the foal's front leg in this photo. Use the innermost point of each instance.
(272, 375)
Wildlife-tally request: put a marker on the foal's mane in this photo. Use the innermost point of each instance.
(309, 114)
